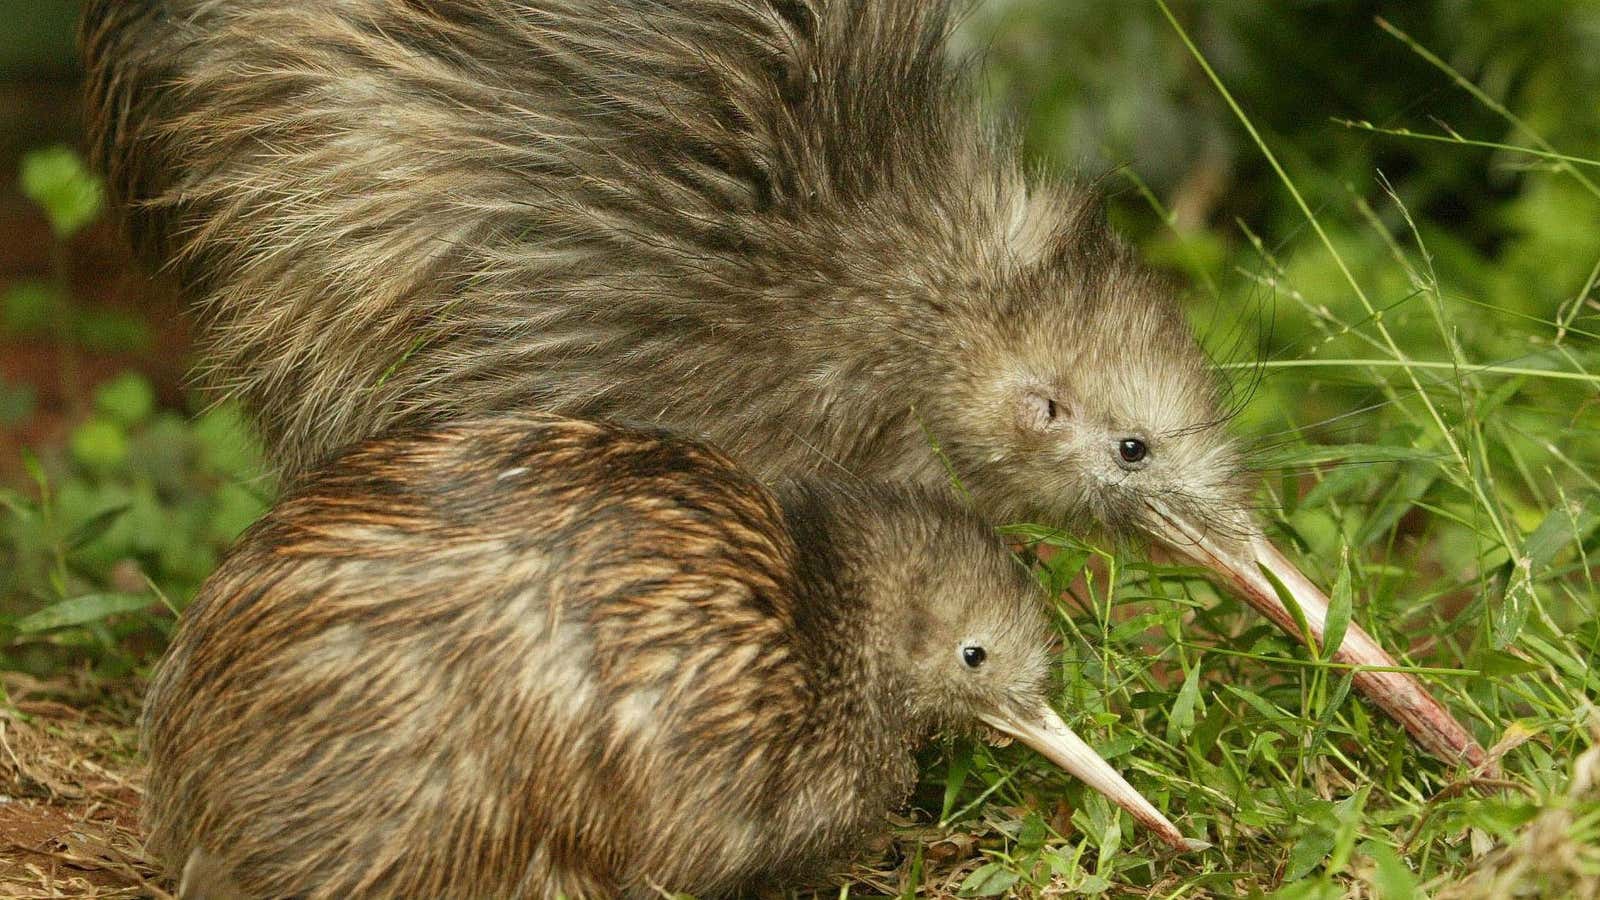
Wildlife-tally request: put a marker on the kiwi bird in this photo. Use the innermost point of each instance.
(531, 656)
(782, 225)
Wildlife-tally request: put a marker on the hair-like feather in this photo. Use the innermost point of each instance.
(722, 212)
(530, 656)
(778, 224)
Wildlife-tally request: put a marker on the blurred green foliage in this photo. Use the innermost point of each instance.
(1103, 83)
(36, 36)
(71, 198)
(119, 527)
(57, 180)
(118, 533)
(39, 309)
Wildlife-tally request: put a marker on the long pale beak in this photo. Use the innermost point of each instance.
(1399, 694)
(1044, 731)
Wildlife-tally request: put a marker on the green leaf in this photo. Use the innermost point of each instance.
(111, 331)
(1110, 842)
(57, 180)
(1148, 699)
(1348, 814)
(82, 610)
(1577, 669)
(1392, 879)
(28, 307)
(227, 446)
(17, 505)
(1308, 853)
(1336, 483)
(99, 444)
(1257, 702)
(1094, 884)
(1511, 614)
(1400, 498)
(1500, 664)
(990, 880)
(1117, 746)
(1291, 604)
(1289, 492)
(1181, 721)
(955, 778)
(1136, 626)
(95, 526)
(1066, 567)
(30, 462)
(126, 399)
(1318, 454)
(1339, 605)
(1032, 835)
(1567, 524)
(1341, 690)
(1205, 735)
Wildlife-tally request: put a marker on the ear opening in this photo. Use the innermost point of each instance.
(1038, 410)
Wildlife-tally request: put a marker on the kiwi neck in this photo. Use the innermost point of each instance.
(844, 618)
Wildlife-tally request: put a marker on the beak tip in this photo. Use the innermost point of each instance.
(1195, 845)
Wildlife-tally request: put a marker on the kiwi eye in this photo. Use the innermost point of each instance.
(1050, 410)
(1132, 450)
(973, 655)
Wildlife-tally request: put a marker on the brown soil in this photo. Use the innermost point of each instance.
(69, 812)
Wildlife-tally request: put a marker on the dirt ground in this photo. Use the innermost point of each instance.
(69, 793)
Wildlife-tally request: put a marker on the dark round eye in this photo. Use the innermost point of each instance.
(1132, 450)
(973, 655)
(1051, 409)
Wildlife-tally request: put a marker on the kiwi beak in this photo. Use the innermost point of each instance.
(1044, 731)
(1251, 566)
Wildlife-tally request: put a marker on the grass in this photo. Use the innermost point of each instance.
(1427, 422)
(1437, 454)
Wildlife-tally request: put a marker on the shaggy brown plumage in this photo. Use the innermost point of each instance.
(531, 656)
(779, 224)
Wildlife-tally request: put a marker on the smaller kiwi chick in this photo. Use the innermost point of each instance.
(533, 656)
